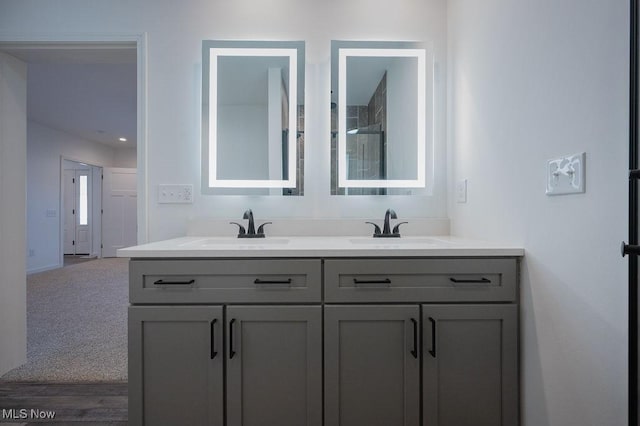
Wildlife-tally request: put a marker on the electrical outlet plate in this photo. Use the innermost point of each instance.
(461, 191)
(566, 175)
(175, 194)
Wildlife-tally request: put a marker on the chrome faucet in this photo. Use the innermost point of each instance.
(250, 232)
(386, 229)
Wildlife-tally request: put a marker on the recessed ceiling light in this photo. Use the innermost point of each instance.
(122, 139)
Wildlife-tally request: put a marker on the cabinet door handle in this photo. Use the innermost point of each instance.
(163, 282)
(432, 351)
(231, 351)
(213, 339)
(259, 281)
(414, 352)
(384, 281)
(482, 280)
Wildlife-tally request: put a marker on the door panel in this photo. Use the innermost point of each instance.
(119, 203)
(69, 211)
(274, 367)
(83, 211)
(470, 361)
(175, 366)
(372, 376)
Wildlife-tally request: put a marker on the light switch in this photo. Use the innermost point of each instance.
(175, 194)
(461, 191)
(566, 175)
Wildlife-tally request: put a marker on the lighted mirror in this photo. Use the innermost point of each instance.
(252, 117)
(379, 113)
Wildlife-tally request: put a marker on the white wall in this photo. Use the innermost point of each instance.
(402, 121)
(175, 32)
(125, 157)
(13, 155)
(243, 142)
(531, 80)
(45, 146)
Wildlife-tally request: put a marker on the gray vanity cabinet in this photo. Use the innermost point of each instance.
(415, 341)
(470, 365)
(468, 350)
(372, 365)
(238, 358)
(176, 365)
(274, 366)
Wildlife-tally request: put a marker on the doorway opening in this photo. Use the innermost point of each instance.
(76, 131)
(81, 201)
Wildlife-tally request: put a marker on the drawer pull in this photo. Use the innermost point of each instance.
(385, 281)
(432, 351)
(213, 339)
(414, 352)
(259, 281)
(162, 282)
(482, 280)
(231, 351)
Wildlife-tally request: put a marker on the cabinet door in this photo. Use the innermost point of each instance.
(372, 365)
(175, 365)
(274, 365)
(470, 365)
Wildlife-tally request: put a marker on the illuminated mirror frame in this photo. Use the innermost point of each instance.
(211, 51)
(420, 55)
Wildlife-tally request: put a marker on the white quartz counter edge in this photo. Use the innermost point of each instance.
(224, 247)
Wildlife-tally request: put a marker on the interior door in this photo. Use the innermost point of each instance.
(119, 204)
(69, 211)
(633, 248)
(83, 212)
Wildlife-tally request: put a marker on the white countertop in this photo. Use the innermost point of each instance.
(225, 247)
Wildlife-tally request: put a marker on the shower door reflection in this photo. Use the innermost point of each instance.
(366, 157)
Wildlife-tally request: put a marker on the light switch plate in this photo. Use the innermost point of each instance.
(461, 191)
(175, 194)
(566, 175)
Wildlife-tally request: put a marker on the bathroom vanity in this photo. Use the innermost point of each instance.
(323, 331)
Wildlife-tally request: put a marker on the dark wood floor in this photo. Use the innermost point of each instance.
(81, 404)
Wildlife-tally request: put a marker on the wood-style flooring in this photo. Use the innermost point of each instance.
(74, 404)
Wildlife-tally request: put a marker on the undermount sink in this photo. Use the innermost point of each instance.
(396, 241)
(240, 242)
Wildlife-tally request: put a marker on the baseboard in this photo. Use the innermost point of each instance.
(43, 269)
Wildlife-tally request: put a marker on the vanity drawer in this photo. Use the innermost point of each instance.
(225, 281)
(420, 280)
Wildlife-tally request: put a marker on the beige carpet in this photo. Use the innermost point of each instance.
(77, 324)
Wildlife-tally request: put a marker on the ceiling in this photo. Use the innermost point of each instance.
(86, 92)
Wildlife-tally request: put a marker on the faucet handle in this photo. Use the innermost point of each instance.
(261, 228)
(241, 230)
(396, 229)
(376, 228)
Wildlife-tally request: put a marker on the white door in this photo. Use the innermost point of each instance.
(69, 190)
(119, 204)
(77, 211)
(83, 212)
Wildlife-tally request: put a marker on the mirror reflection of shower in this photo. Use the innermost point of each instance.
(366, 142)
